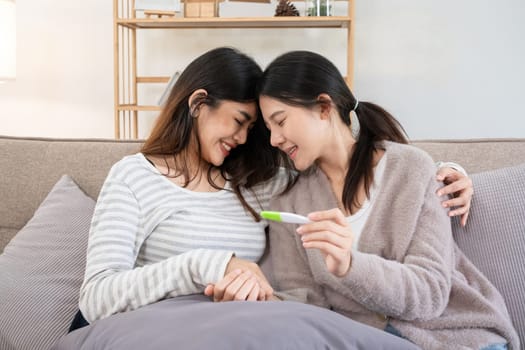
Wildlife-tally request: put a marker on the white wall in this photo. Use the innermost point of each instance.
(64, 82)
(446, 69)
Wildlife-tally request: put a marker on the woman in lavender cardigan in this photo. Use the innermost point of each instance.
(379, 247)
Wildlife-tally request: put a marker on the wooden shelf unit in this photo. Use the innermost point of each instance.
(125, 51)
(256, 22)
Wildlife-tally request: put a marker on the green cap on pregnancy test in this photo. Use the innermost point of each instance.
(284, 217)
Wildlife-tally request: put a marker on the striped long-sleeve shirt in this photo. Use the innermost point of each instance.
(151, 239)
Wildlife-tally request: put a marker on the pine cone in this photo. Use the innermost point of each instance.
(286, 8)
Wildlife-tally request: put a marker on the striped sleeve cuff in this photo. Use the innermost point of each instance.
(452, 165)
(211, 266)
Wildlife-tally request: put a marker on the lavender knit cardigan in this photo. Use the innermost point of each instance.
(407, 271)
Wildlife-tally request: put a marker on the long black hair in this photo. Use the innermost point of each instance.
(297, 78)
(226, 74)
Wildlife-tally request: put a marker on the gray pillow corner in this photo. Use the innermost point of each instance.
(44, 265)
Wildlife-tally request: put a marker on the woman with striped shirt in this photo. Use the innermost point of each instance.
(183, 212)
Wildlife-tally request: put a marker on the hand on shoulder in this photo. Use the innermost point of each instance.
(459, 186)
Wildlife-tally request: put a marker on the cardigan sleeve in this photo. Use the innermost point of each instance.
(291, 271)
(113, 283)
(452, 165)
(417, 287)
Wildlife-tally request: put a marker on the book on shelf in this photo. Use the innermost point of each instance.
(167, 90)
(157, 5)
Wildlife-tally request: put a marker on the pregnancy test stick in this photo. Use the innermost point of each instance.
(284, 217)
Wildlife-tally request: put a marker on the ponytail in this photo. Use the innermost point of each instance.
(375, 124)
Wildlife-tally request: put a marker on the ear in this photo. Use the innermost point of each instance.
(193, 100)
(325, 102)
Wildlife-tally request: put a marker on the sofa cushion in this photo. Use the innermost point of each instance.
(494, 237)
(42, 268)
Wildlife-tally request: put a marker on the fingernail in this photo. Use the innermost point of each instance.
(299, 229)
(439, 193)
(445, 205)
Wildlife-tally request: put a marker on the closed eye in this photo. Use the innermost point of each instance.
(281, 123)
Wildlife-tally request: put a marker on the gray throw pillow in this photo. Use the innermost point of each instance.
(193, 322)
(42, 268)
(494, 237)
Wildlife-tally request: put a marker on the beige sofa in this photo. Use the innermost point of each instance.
(31, 166)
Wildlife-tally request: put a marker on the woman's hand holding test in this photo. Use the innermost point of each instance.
(332, 234)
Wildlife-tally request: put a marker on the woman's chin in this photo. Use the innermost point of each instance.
(215, 160)
(218, 161)
(300, 166)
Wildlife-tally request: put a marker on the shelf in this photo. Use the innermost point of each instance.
(126, 25)
(245, 22)
(153, 79)
(138, 108)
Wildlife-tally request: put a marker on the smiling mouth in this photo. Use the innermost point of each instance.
(225, 148)
(292, 151)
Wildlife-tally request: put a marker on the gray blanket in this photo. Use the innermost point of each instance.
(194, 322)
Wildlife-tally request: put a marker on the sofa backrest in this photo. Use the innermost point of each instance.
(476, 155)
(31, 166)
